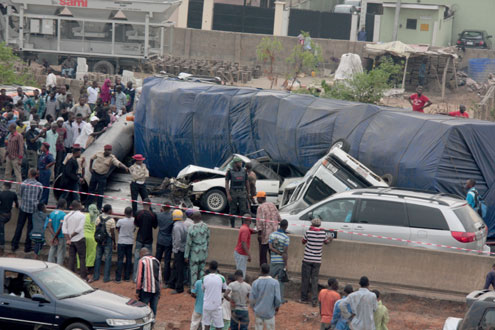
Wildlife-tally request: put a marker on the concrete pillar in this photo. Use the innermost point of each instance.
(376, 29)
(434, 37)
(207, 23)
(354, 27)
(281, 19)
(182, 14)
(364, 11)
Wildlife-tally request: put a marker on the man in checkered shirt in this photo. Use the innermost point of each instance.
(31, 191)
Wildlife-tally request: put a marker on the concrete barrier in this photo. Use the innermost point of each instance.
(409, 268)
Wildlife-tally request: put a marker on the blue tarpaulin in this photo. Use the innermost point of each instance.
(180, 123)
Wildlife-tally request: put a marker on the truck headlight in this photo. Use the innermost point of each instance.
(120, 322)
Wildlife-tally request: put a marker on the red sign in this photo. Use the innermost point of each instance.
(74, 3)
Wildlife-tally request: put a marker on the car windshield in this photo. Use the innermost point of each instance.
(317, 191)
(227, 165)
(472, 35)
(62, 283)
(469, 218)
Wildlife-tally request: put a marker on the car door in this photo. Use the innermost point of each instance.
(381, 218)
(336, 215)
(269, 186)
(427, 225)
(17, 310)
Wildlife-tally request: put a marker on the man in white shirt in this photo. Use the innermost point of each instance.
(93, 94)
(213, 286)
(363, 304)
(87, 131)
(51, 79)
(73, 229)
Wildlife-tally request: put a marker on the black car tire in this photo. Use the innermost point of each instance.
(78, 326)
(342, 144)
(389, 179)
(214, 200)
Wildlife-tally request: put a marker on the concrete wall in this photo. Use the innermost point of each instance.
(395, 266)
(241, 47)
(447, 272)
(473, 14)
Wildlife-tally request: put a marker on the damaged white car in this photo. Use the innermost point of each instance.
(208, 185)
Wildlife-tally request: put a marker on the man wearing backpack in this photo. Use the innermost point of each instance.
(105, 240)
(473, 197)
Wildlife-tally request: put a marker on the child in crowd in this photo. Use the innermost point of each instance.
(37, 234)
(125, 227)
(226, 309)
(381, 313)
(197, 292)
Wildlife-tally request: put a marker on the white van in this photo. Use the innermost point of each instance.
(336, 172)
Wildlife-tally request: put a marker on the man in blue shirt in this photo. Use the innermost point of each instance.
(472, 193)
(278, 244)
(197, 292)
(265, 299)
(54, 226)
(164, 241)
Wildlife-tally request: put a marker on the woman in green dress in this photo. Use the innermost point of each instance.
(89, 235)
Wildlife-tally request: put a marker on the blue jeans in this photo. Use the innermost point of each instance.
(124, 250)
(241, 262)
(239, 320)
(105, 250)
(275, 271)
(150, 298)
(138, 248)
(45, 181)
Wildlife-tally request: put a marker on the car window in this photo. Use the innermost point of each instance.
(426, 217)
(339, 210)
(378, 212)
(317, 191)
(472, 35)
(488, 321)
(468, 217)
(20, 285)
(63, 283)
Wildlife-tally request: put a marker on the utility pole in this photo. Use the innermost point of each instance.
(396, 20)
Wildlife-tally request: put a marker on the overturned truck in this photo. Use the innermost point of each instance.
(181, 123)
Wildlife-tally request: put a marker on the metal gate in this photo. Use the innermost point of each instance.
(195, 14)
(326, 25)
(243, 18)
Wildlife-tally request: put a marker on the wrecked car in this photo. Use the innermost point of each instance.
(208, 185)
(336, 172)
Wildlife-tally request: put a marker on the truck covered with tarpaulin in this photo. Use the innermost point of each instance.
(181, 123)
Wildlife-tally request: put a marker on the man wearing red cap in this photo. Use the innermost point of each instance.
(100, 166)
(139, 173)
(45, 162)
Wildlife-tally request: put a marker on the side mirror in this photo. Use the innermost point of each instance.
(40, 298)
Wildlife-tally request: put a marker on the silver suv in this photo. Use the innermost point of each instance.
(408, 215)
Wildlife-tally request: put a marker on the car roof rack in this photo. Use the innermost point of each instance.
(399, 195)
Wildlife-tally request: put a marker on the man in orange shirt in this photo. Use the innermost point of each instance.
(328, 298)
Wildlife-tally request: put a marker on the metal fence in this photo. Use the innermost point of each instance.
(485, 110)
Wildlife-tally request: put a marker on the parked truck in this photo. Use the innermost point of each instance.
(111, 34)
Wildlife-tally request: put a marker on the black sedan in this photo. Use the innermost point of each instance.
(474, 39)
(43, 295)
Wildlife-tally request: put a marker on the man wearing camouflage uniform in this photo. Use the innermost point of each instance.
(237, 188)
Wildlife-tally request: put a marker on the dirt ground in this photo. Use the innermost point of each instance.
(406, 312)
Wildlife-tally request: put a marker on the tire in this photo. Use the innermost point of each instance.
(389, 179)
(77, 326)
(341, 144)
(104, 67)
(214, 200)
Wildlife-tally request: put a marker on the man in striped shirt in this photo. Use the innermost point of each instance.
(314, 239)
(279, 243)
(148, 279)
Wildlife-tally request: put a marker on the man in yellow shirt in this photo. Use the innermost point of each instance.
(381, 313)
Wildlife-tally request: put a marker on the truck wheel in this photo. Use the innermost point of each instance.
(214, 200)
(389, 179)
(341, 144)
(77, 326)
(104, 67)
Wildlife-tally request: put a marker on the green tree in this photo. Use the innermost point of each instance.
(366, 87)
(303, 58)
(8, 73)
(266, 52)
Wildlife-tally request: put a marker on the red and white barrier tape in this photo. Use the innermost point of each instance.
(244, 217)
